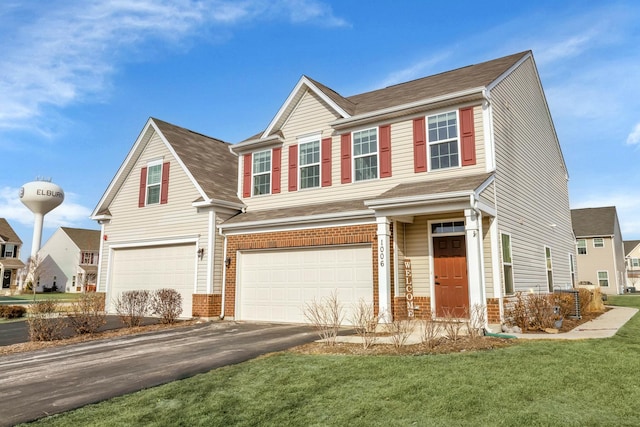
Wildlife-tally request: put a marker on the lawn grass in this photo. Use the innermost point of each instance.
(29, 297)
(572, 383)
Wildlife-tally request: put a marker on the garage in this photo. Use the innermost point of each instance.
(275, 285)
(154, 267)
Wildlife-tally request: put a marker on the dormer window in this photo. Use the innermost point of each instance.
(261, 175)
(365, 154)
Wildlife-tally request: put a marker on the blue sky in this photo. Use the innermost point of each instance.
(78, 80)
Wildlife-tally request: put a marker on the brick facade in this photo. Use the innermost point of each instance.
(206, 305)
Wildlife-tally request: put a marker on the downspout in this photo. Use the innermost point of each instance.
(224, 274)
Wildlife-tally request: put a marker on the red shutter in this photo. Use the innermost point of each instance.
(246, 176)
(293, 168)
(385, 151)
(143, 187)
(345, 158)
(164, 186)
(276, 162)
(326, 162)
(468, 135)
(419, 146)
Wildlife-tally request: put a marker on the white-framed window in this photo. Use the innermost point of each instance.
(365, 154)
(154, 182)
(572, 268)
(598, 242)
(9, 250)
(635, 262)
(447, 227)
(261, 172)
(603, 278)
(507, 263)
(309, 162)
(582, 246)
(89, 258)
(443, 141)
(549, 265)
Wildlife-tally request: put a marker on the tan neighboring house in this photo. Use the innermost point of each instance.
(10, 263)
(600, 251)
(632, 257)
(438, 195)
(159, 215)
(69, 260)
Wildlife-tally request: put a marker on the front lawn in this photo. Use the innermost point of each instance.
(29, 297)
(577, 383)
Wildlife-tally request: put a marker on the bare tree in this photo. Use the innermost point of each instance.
(32, 272)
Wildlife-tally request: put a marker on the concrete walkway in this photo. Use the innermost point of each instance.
(604, 326)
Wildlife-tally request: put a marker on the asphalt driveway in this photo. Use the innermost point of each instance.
(45, 382)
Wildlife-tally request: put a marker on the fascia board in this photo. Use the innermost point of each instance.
(511, 69)
(292, 98)
(416, 200)
(244, 146)
(218, 203)
(298, 220)
(422, 103)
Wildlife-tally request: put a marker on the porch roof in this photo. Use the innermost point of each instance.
(11, 263)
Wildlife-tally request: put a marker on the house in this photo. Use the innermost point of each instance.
(601, 255)
(632, 259)
(159, 218)
(69, 260)
(10, 263)
(442, 195)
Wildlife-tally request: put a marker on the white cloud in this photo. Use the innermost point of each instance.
(413, 71)
(634, 136)
(66, 52)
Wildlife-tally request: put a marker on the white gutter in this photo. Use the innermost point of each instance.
(299, 220)
(218, 203)
(251, 144)
(399, 108)
(413, 200)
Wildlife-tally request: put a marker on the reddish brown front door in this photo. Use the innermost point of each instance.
(450, 273)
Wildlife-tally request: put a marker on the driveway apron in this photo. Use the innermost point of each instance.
(45, 382)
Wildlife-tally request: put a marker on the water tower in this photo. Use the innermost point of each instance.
(41, 197)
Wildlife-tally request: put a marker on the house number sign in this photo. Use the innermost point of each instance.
(408, 286)
(381, 255)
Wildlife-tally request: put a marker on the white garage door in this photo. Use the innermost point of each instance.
(152, 268)
(275, 285)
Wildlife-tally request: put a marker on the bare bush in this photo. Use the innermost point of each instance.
(365, 321)
(326, 316)
(430, 330)
(87, 313)
(517, 312)
(476, 321)
(44, 323)
(541, 313)
(167, 303)
(565, 302)
(596, 305)
(452, 326)
(400, 330)
(132, 306)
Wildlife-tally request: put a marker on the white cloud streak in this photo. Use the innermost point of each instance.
(634, 136)
(69, 51)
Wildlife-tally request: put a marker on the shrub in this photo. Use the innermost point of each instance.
(326, 316)
(400, 330)
(87, 313)
(132, 306)
(12, 311)
(365, 321)
(452, 326)
(430, 330)
(167, 303)
(565, 302)
(44, 323)
(476, 321)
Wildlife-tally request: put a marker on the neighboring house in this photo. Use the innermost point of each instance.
(10, 264)
(69, 260)
(439, 195)
(600, 250)
(159, 215)
(632, 257)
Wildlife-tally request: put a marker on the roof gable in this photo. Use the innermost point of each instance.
(84, 239)
(594, 222)
(630, 245)
(207, 161)
(7, 234)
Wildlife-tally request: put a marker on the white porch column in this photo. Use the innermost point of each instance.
(474, 260)
(384, 270)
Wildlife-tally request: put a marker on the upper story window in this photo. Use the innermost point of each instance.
(635, 262)
(365, 154)
(309, 162)
(9, 251)
(261, 175)
(89, 258)
(442, 139)
(582, 246)
(598, 242)
(154, 180)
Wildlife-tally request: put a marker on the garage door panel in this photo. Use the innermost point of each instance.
(275, 285)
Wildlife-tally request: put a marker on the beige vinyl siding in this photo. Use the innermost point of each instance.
(399, 239)
(488, 195)
(219, 266)
(487, 261)
(531, 182)
(312, 116)
(417, 250)
(600, 259)
(176, 219)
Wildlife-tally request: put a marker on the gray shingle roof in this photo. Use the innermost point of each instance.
(86, 240)
(7, 234)
(594, 221)
(208, 159)
(441, 186)
(630, 245)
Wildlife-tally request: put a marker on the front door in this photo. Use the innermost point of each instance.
(6, 280)
(450, 274)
